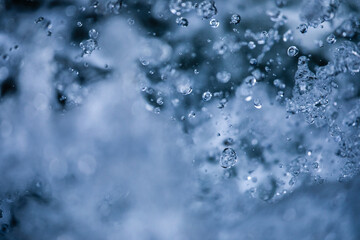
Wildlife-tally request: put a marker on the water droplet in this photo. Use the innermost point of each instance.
(228, 158)
(207, 96)
(292, 51)
(235, 19)
(214, 23)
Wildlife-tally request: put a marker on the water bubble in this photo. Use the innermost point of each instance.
(39, 19)
(93, 33)
(183, 22)
(184, 89)
(257, 104)
(178, 7)
(250, 81)
(207, 96)
(191, 114)
(253, 61)
(223, 76)
(88, 46)
(280, 3)
(279, 84)
(251, 45)
(288, 36)
(292, 51)
(331, 39)
(303, 28)
(131, 21)
(214, 23)
(235, 19)
(114, 6)
(228, 158)
(206, 9)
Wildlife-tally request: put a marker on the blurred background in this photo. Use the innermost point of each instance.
(175, 119)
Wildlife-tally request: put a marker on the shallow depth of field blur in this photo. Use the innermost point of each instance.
(176, 119)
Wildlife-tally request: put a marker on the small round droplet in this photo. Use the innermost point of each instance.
(214, 23)
(207, 96)
(181, 21)
(331, 39)
(235, 19)
(292, 51)
(257, 104)
(228, 158)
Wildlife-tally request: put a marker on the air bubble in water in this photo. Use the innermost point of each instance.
(331, 39)
(88, 46)
(228, 158)
(223, 76)
(279, 84)
(214, 23)
(257, 104)
(250, 81)
(288, 36)
(182, 22)
(184, 89)
(303, 28)
(207, 96)
(206, 9)
(93, 34)
(235, 19)
(292, 51)
(251, 45)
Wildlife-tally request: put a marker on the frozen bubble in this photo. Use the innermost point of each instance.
(235, 19)
(228, 158)
(292, 51)
(214, 23)
(207, 96)
(183, 22)
(223, 76)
